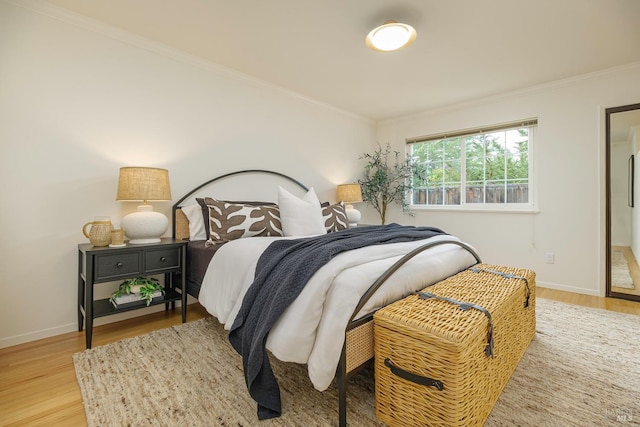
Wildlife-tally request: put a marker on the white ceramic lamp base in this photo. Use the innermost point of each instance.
(144, 225)
(353, 215)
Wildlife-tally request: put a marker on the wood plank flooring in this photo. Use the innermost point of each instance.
(38, 386)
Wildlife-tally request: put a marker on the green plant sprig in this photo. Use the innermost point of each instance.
(148, 285)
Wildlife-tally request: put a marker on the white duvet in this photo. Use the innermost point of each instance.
(312, 329)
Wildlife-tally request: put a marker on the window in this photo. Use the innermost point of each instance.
(486, 167)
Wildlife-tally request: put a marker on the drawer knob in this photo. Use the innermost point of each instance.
(119, 264)
(163, 259)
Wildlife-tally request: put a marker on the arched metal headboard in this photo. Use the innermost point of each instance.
(177, 205)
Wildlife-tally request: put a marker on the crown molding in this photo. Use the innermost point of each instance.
(523, 91)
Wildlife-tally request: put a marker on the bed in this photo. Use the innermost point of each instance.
(340, 297)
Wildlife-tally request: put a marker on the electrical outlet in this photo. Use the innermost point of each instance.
(549, 258)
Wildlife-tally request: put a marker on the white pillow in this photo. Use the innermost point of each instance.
(300, 216)
(196, 222)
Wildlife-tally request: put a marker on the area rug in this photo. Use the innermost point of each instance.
(620, 276)
(582, 368)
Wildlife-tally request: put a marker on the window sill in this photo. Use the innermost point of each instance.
(476, 209)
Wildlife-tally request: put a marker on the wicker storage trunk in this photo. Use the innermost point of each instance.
(437, 364)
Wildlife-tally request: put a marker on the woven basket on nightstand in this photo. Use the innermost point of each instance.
(100, 233)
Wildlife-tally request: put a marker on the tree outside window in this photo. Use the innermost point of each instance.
(477, 168)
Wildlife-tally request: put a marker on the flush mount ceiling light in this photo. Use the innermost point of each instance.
(390, 36)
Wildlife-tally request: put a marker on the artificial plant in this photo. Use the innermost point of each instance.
(388, 179)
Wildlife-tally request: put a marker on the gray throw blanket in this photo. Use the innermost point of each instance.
(281, 273)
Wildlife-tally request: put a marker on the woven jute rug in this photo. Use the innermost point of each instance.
(581, 369)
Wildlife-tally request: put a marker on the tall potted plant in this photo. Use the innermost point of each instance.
(388, 179)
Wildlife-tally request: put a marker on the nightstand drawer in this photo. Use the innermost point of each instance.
(113, 266)
(161, 259)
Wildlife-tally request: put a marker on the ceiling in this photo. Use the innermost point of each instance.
(466, 49)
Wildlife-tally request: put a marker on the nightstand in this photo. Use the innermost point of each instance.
(104, 264)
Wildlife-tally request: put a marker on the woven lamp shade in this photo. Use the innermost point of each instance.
(349, 193)
(140, 183)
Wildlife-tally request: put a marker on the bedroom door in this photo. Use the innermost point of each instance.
(623, 201)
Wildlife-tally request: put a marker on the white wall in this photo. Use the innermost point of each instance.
(569, 156)
(79, 101)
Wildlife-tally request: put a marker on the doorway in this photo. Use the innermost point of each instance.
(623, 201)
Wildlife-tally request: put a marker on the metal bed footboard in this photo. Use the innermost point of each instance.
(365, 325)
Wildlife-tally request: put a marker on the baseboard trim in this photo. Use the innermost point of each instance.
(73, 327)
(37, 335)
(574, 290)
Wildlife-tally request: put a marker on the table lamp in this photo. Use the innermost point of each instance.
(144, 184)
(350, 193)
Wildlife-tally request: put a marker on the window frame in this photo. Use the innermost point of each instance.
(529, 207)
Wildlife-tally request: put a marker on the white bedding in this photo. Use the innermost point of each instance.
(312, 329)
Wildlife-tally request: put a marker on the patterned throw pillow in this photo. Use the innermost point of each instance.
(233, 220)
(335, 217)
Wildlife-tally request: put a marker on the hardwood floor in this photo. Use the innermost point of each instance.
(38, 386)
